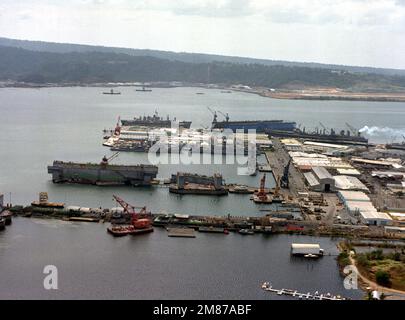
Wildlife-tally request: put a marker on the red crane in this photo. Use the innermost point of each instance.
(139, 220)
(262, 192)
(117, 129)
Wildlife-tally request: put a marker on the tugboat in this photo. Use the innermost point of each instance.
(246, 231)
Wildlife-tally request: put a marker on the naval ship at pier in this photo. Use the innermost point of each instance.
(154, 121)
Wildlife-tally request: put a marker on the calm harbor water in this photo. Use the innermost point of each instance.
(91, 264)
(42, 125)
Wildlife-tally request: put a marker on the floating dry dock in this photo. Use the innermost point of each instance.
(102, 173)
(187, 183)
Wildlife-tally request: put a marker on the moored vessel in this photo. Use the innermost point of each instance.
(111, 92)
(154, 121)
(102, 173)
(258, 125)
(6, 216)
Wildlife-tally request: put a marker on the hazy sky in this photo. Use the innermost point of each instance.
(354, 32)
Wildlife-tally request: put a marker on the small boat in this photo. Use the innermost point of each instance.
(143, 89)
(246, 231)
(2, 224)
(311, 256)
(6, 215)
(242, 189)
(112, 92)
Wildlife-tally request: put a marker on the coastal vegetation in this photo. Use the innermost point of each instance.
(89, 67)
(385, 268)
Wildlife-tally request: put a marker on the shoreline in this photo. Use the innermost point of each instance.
(282, 94)
(365, 283)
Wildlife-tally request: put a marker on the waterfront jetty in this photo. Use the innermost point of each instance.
(266, 286)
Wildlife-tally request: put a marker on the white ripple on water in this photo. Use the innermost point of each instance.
(55, 223)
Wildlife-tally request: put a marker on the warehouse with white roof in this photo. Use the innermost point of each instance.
(375, 218)
(325, 179)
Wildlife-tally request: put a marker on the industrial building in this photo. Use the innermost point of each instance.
(320, 180)
(344, 182)
(358, 204)
(394, 229)
(345, 196)
(398, 217)
(375, 218)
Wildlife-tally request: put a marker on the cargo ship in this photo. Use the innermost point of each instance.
(258, 125)
(341, 137)
(154, 121)
(102, 173)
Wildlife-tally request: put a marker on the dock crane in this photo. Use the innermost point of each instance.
(261, 196)
(225, 115)
(284, 182)
(139, 220)
(117, 130)
(214, 113)
(353, 130)
(106, 160)
(323, 127)
(277, 196)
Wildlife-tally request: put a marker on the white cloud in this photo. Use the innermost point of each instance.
(359, 32)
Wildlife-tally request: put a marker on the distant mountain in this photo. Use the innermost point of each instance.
(89, 67)
(184, 57)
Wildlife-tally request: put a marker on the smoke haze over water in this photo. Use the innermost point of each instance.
(390, 134)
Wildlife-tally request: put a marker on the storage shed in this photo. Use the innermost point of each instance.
(325, 179)
(375, 218)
